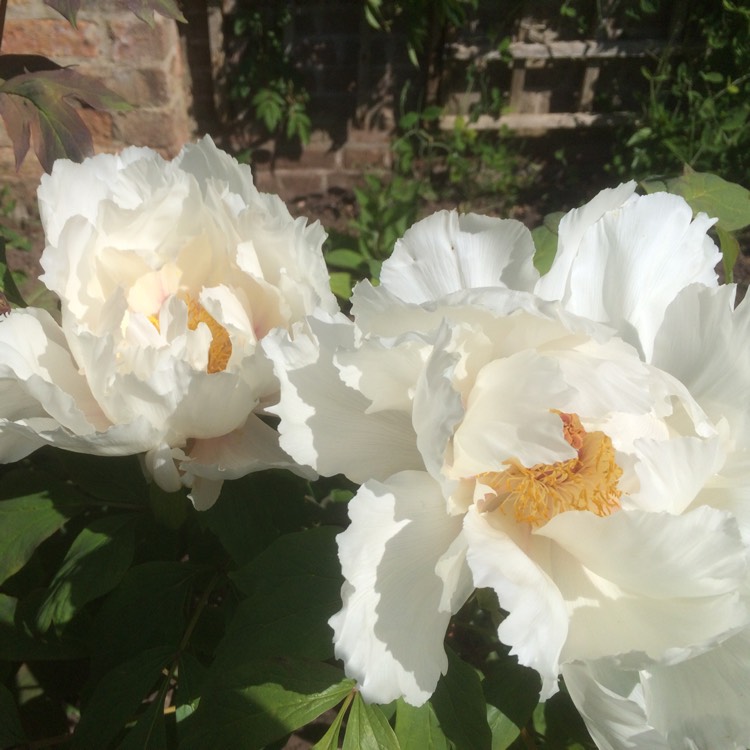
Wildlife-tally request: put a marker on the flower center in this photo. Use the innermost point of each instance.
(221, 345)
(587, 481)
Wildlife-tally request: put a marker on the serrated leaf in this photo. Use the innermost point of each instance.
(253, 704)
(66, 8)
(42, 107)
(117, 696)
(25, 522)
(368, 729)
(11, 731)
(145, 9)
(94, 565)
(727, 201)
(545, 241)
(294, 589)
(419, 727)
(459, 705)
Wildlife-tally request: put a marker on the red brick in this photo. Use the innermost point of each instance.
(147, 87)
(164, 130)
(365, 156)
(100, 127)
(53, 38)
(135, 43)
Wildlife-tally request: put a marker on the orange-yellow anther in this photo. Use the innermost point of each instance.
(588, 481)
(220, 348)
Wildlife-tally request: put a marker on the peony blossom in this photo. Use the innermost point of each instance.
(169, 274)
(527, 435)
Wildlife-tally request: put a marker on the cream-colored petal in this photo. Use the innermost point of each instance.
(324, 423)
(537, 623)
(447, 252)
(399, 594)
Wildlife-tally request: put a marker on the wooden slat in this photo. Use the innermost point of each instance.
(569, 50)
(538, 122)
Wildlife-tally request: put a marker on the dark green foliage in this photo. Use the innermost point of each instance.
(697, 109)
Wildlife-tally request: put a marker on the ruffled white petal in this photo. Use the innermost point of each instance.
(447, 252)
(611, 703)
(630, 595)
(703, 343)
(624, 272)
(705, 699)
(555, 284)
(537, 623)
(698, 704)
(324, 423)
(404, 579)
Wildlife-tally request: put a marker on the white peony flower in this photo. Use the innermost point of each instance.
(517, 433)
(169, 274)
(700, 703)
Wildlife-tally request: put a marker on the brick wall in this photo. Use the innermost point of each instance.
(146, 66)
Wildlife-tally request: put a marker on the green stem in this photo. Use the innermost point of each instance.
(168, 677)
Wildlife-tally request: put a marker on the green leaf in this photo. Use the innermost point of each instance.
(145, 611)
(255, 510)
(294, 589)
(145, 9)
(11, 731)
(368, 729)
(330, 740)
(117, 696)
(512, 689)
(504, 731)
(341, 284)
(25, 522)
(66, 8)
(563, 724)
(17, 643)
(545, 241)
(344, 258)
(149, 732)
(460, 706)
(11, 292)
(94, 565)
(253, 704)
(114, 479)
(727, 201)
(36, 108)
(419, 727)
(730, 250)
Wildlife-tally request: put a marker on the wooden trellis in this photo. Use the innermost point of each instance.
(527, 55)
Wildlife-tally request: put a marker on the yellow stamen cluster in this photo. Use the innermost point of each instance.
(221, 345)
(535, 494)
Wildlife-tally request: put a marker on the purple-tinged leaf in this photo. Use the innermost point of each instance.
(42, 110)
(16, 114)
(145, 9)
(66, 8)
